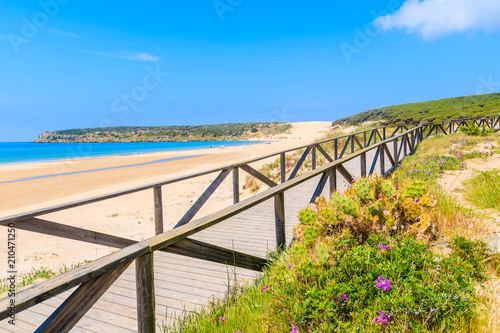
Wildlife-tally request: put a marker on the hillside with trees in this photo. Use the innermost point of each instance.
(432, 111)
(220, 132)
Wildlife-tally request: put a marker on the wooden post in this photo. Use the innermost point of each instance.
(382, 161)
(333, 180)
(363, 165)
(236, 186)
(313, 157)
(283, 167)
(364, 139)
(396, 153)
(144, 273)
(352, 144)
(336, 148)
(279, 215)
(405, 139)
(383, 133)
(158, 210)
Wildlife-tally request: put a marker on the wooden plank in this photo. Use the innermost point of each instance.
(395, 131)
(321, 186)
(279, 213)
(324, 153)
(236, 186)
(313, 157)
(158, 208)
(283, 167)
(343, 171)
(370, 139)
(299, 163)
(336, 149)
(70, 232)
(201, 250)
(358, 143)
(382, 160)
(410, 144)
(333, 180)
(345, 147)
(388, 152)
(401, 147)
(203, 198)
(374, 161)
(144, 272)
(363, 165)
(431, 128)
(251, 171)
(60, 283)
(80, 301)
(395, 148)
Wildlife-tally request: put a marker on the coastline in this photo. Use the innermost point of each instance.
(130, 216)
(71, 154)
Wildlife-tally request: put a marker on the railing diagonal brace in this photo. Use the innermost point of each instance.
(299, 163)
(343, 171)
(200, 250)
(251, 171)
(321, 186)
(80, 301)
(324, 153)
(389, 155)
(345, 147)
(204, 197)
(372, 168)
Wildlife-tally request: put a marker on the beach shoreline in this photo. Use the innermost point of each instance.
(129, 216)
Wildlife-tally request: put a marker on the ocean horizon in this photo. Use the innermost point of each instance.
(28, 152)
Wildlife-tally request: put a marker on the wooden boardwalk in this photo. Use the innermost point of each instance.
(181, 283)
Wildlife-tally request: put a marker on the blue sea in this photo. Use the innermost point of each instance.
(25, 152)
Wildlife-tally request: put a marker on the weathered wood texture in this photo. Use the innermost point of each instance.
(144, 277)
(158, 202)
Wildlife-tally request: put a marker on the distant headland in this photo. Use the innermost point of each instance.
(220, 132)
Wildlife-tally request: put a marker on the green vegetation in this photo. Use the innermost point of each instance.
(483, 190)
(219, 132)
(432, 111)
(361, 262)
(367, 260)
(473, 129)
(37, 275)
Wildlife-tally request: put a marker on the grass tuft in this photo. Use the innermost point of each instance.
(483, 189)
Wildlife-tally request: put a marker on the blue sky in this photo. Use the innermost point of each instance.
(78, 64)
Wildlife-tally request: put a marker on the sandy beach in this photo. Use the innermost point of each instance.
(129, 216)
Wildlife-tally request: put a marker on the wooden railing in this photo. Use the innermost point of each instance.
(96, 277)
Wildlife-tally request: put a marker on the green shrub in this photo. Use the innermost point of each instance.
(473, 129)
(398, 276)
(474, 255)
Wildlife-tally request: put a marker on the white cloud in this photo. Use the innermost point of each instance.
(436, 18)
(63, 33)
(132, 56)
